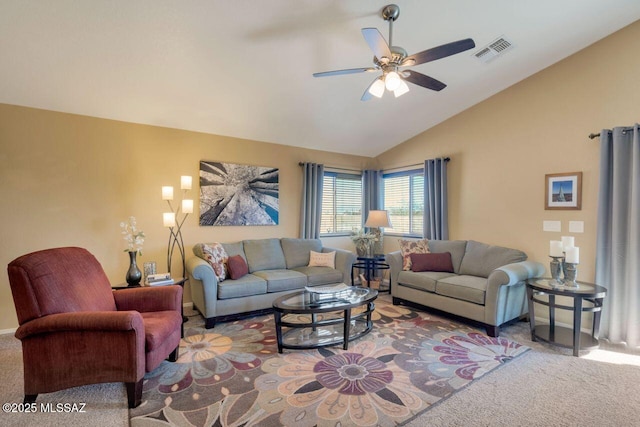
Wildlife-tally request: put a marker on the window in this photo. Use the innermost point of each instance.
(341, 203)
(404, 200)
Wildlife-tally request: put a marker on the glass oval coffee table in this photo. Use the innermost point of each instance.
(306, 320)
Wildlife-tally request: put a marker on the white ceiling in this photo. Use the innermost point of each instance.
(243, 68)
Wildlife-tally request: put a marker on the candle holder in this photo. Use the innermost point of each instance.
(556, 264)
(571, 275)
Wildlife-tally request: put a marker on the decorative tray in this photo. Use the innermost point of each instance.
(332, 289)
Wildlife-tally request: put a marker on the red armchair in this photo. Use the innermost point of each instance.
(75, 330)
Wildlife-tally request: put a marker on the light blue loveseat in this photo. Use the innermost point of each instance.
(276, 267)
(487, 283)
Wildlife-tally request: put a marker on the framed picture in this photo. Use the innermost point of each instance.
(235, 194)
(563, 191)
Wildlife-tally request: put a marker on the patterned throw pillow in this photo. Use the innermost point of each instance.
(408, 247)
(217, 257)
(327, 259)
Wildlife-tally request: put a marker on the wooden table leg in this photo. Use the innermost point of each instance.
(577, 322)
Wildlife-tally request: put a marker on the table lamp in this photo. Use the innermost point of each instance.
(377, 220)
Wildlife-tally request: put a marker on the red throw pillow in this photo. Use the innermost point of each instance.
(237, 267)
(432, 262)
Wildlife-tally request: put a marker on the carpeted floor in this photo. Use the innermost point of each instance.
(543, 386)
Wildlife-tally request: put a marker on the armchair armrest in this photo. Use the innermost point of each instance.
(102, 321)
(344, 261)
(147, 299)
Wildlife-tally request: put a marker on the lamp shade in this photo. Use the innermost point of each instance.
(377, 88)
(378, 219)
(392, 81)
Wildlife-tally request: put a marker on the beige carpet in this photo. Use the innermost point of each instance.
(544, 387)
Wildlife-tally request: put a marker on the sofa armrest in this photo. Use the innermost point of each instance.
(394, 259)
(204, 286)
(344, 262)
(505, 298)
(511, 274)
(201, 270)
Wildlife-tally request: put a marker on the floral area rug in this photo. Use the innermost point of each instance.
(232, 375)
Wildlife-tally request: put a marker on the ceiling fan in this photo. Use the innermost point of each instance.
(390, 59)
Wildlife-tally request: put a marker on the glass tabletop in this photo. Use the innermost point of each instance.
(559, 288)
(313, 301)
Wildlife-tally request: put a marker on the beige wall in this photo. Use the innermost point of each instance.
(502, 148)
(71, 180)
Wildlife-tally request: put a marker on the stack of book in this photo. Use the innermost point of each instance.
(159, 279)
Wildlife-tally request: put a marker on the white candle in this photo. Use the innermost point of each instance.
(167, 193)
(185, 182)
(572, 255)
(567, 241)
(555, 248)
(169, 219)
(187, 206)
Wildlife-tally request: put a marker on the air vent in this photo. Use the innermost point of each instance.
(494, 49)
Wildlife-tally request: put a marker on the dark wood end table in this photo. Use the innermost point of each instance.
(371, 264)
(573, 338)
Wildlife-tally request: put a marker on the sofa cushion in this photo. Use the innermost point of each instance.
(322, 259)
(466, 288)
(320, 275)
(243, 287)
(264, 254)
(296, 251)
(235, 248)
(455, 247)
(408, 247)
(425, 280)
(282, 280)
(432, 262)
(237, 267)
(481, 259)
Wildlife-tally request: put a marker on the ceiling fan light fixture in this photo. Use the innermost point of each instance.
(377, 88)
(401, 90)
(392, 81)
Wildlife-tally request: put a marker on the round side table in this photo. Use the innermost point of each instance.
(587, 298)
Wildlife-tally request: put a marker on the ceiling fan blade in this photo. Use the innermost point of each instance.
(439, 52)
(377, 43)
(347, 71)
(422, 80)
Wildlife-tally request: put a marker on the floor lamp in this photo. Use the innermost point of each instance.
(173, 220)
(376, 221)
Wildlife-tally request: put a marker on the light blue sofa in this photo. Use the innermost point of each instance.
(276, 267)
(487, 284)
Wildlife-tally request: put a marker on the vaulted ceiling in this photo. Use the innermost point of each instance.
(244, 68)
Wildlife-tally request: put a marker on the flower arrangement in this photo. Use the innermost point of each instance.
(363, 241)
(133, 236)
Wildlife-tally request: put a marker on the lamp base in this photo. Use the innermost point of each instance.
(378, 246)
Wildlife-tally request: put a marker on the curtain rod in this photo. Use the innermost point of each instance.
(596, 135)
(446, 159)
(336, 168)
